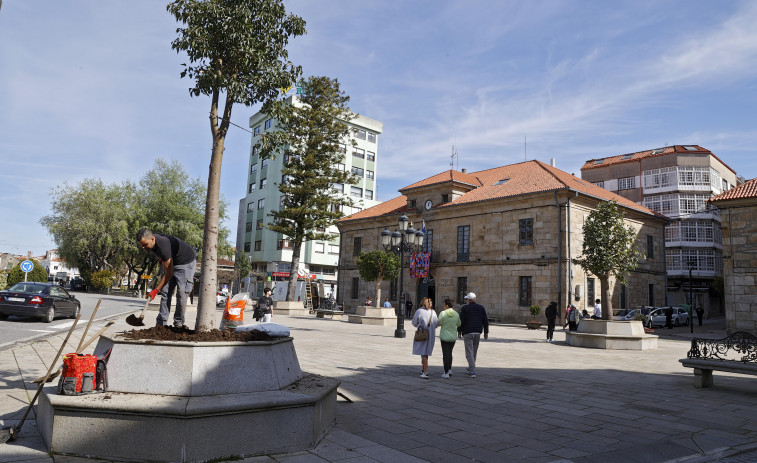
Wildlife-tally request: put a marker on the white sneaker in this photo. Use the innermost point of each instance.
(424, 376)
(445, 376)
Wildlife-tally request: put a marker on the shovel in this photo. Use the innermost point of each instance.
(133, 320)
(10, 433)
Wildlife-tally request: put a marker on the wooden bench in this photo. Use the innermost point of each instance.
(736, 353)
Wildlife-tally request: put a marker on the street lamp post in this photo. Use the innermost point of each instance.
(691, 298)
(399, 242)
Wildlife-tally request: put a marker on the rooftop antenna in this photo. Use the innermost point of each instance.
(452, 159)
(525, 148)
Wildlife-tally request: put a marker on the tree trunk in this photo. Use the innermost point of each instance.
(604, 284)
(378, 292)
(206, 304)
(294, 270)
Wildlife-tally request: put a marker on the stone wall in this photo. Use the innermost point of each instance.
(739, 226)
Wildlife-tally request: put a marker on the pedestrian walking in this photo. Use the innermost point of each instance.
(425, 319)
(408, 306)
(573, 317)
(551, 313)
(265, 306)
(700, 313)
(669, 318)
(449, 321)
(178, 260)
(473, 321)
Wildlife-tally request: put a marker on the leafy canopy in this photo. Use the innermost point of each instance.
(609, 246)
(378, 266)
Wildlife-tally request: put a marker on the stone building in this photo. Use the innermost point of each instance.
(676, 181)
(508, 234)
(738, 216)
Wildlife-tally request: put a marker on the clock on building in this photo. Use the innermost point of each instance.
(429, 204)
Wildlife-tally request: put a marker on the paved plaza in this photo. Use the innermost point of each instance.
(532, 401)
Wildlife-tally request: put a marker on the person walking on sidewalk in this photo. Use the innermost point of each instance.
(551, 313)
(178, 260)
(473, 321)
(700, 312)
(449, 320)
(265, 306)
(573, 318)
(425, 318)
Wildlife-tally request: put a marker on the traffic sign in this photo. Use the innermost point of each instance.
(27, 266)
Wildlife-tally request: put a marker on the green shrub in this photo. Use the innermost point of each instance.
(3, 279)
(535, 310)
(102, 279)
(38, 273)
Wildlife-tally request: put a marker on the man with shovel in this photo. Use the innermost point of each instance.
(178, 262)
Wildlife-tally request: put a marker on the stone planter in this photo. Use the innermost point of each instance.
(187, 401)
(533, 324)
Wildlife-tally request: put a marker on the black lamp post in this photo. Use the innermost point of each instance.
(399, 242)
(691, 296)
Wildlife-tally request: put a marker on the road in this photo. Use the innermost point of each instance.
(19, 329)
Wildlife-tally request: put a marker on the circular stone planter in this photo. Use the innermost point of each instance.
(218, 399)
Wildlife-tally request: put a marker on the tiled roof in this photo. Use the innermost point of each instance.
(446, 176)
(744, 191)
(510, 181)
(634, 157)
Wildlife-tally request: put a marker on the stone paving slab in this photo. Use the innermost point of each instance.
(532, 401)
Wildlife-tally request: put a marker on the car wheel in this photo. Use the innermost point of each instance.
(3, 316)
(50, 315)
(77, 309)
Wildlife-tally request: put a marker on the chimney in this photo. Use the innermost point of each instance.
(552, 162)
(465, 171)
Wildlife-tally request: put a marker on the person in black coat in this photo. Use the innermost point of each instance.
(551, 313)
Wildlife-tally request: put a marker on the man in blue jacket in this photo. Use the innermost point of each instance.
(473, 320)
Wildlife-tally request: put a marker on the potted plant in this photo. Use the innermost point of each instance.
(534, 324)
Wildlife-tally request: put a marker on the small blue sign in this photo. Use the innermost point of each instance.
(27, 266)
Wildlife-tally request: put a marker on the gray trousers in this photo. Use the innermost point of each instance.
(181, 281)
(471, 349)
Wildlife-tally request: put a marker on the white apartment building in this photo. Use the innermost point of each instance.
(676, 181)
(269, 251)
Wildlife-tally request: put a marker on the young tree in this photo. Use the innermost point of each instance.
(609, 248)
(309, 134)
(242, 267)
(378, 266)
(236, 48)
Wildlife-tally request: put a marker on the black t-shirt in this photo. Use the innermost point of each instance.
(265, 303)
(170, 247)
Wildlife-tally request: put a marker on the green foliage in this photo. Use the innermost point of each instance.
(3, 279)
(94, 224)
(38, 273)
(238, 47)
(609, 247)
(309, 136)
(242, 265)
(378, 266)
(102, 279)
(535, 310)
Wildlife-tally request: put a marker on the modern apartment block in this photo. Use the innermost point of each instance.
(271, 252)
(676, 181)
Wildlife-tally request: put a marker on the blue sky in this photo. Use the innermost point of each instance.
(92, 89)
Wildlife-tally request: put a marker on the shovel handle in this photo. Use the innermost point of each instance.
(83, 336)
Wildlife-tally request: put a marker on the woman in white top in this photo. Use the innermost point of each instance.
(425, 318)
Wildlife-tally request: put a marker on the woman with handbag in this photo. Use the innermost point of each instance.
(425, 321)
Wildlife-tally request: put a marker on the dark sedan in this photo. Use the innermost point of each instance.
(43, 300)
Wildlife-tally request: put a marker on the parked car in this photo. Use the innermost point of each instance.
(33, 299)
(631, 314)
(77, 284)
(657, 317)
(221, 298)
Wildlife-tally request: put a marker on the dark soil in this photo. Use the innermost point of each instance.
(169, 333)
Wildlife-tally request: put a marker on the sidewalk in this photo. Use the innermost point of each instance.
(532, 401)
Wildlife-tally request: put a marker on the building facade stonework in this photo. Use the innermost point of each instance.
(738, 214)
(507, 234)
